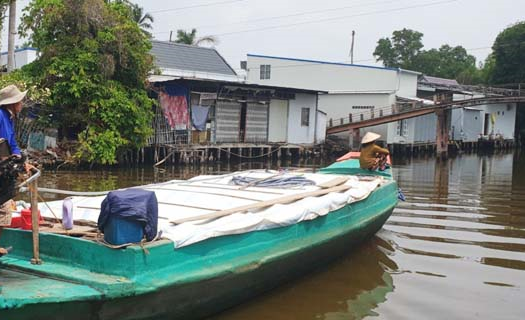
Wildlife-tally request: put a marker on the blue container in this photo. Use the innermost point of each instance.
(119, 231)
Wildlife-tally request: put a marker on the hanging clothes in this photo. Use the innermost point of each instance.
(174, 104)
(199, 116)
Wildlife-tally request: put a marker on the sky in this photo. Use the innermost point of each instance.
(321, 30)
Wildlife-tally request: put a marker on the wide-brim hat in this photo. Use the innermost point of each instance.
(11, 94)
(369, 137)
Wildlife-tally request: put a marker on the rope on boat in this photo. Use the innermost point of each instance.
(272, 181)
(142, 243)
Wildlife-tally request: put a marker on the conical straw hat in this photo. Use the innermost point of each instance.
(11, 94)
(369, 137)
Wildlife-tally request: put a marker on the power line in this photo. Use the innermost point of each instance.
(197, 6)
(312, 12)
(296, 14)
(336, 18)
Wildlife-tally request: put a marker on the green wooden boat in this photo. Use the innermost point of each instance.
(83, 279)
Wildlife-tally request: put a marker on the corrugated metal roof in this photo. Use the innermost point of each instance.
(171, 55)
(438, 81)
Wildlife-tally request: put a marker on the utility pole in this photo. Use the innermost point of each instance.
(352, 48)
(11, 38)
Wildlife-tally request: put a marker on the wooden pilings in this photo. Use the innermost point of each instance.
(442, 132)
(196, 154)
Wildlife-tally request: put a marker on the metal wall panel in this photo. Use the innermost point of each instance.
(256, 123)
(278, 121)
(227, 119)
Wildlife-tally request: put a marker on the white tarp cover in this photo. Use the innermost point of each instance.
(206, 194)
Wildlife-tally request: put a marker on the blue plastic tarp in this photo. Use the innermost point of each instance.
(133, 205)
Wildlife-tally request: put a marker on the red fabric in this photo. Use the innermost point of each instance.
(355, 155)
(175, 110)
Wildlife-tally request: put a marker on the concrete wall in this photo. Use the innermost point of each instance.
(350, 86)
(22, 57)
(296, 132)
(407, 84)
(466, 124)
(317, 75)
(505, 115)
(338, 106)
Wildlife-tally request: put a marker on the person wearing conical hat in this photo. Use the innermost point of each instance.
(372, 156)
(10, 106)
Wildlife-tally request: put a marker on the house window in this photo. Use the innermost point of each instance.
(305, 117)
(402, 128)
(265, 71)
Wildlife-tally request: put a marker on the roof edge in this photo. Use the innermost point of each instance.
(322, 62)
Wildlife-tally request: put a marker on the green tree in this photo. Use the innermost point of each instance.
(509, 55)
(143, 19)
(400, 51)
(190, 38)
(404, 50)
(445, 62)
(95, 61)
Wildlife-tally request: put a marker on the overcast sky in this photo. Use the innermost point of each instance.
(321, 30)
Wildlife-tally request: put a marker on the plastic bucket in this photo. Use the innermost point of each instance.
(26, 223)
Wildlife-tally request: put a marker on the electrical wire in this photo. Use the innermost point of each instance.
(297, 14)
(198, 6)
(337, 18)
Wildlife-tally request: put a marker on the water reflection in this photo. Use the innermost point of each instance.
(464, 221)
(351, 288)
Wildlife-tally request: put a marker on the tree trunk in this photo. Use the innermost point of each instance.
(11, 38)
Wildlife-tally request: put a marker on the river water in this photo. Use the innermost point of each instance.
(455, 249)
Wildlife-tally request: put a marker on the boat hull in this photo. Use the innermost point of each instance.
(283, 254)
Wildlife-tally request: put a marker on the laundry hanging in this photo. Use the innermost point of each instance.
(174, 104)
(199, 116)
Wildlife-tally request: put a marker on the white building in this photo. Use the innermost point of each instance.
(22, 57)
(351, 88)
(467, 124)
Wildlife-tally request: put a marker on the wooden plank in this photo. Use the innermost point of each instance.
(212, 193)
(232, 188)
(332, 183)
(263, 204)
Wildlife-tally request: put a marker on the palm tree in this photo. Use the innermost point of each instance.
(144, 20)
(191, 38)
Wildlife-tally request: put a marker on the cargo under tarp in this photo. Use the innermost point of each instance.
(208, 194)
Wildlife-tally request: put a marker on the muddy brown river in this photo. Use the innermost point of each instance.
(455, 249)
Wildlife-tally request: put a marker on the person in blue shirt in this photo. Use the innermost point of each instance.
(10, 106)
